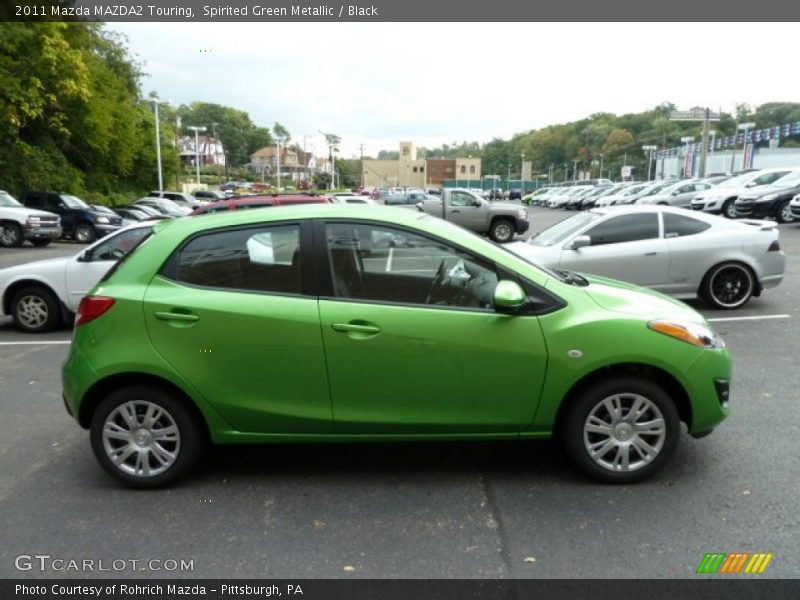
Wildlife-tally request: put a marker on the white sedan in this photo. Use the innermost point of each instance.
(672, 250)
(42, 295)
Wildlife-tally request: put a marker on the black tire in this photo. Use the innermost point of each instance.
(590, 403)
(11, 235)
(35, 309)
(729, 209)
(85, 233)
(728, 285)
(186, 449)
(41, 243)
(502, 230)
(783, 214)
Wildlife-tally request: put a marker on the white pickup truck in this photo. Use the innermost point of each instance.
(499, 220)
(19, 223)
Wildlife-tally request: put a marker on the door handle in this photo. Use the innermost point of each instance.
(650, 253)
(173, 316)
(454, 210)
(354, 328)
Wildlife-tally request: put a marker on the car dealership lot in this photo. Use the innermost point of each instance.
(416, 510)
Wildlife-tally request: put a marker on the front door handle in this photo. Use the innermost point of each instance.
(650, 253)
(355, 328)
(454, 211)
(173, 316)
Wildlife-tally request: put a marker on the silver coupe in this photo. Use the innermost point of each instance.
(672, 250)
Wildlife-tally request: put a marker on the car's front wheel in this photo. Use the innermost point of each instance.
(729, 209)
(145, 437)
(784, 213)
(85, 233)
(621, 430)
(502, 231)
(11, 235)
(728, 286)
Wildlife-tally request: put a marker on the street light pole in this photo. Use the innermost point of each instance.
(686, 140)
(197, 130)
(156, 101)
(278, 163)
(743, 127)
(649, 149)
(713, 134)
(522, 176)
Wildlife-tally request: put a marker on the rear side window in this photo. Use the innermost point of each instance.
(679, 226)
(625, 228)
(262, 259)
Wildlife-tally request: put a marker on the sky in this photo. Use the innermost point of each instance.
(377, 84)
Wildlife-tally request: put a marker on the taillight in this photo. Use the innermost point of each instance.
(92, 307)
(774, 246)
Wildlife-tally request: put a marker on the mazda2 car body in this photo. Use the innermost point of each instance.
(327, 323)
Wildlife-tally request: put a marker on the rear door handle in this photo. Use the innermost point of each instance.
(173, 316)
(454, 211)
(354, 328)
(650, 253)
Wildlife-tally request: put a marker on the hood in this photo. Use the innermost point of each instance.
(724, 192)
(24, 211)
(630, 299)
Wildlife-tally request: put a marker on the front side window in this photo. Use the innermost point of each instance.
(461, 199)
(260, 259)
(377, 263)
(625, 228)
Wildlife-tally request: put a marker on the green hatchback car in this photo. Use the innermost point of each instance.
(344, 323)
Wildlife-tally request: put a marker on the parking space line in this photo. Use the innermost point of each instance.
(756, 318)
(42, 343)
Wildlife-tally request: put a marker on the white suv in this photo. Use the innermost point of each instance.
(19, 223)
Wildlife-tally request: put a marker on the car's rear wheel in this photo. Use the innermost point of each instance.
(11, 235)
(728, 286)
(145, 437)
(85, 233)
(621, 430)
(729, 209)
(35, 310)
(784, 213)
(502, 231)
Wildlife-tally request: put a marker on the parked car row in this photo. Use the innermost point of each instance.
(764, 193)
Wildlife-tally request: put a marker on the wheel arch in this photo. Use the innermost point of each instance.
(95, 394)
(674, 388)
(12, 289)
(739, 260)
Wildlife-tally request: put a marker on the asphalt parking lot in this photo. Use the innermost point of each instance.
(461, 510)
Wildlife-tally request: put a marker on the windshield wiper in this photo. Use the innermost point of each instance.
(570, 277)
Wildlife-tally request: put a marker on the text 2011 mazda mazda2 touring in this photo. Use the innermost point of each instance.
(327, 323)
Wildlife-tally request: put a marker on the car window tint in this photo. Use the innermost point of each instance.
(678, 225)
(373, 262)
(119, 245)
(263, 259)
(625, 228)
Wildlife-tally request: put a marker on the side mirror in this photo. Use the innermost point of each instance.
(509, 296)
(579, 242)
(84, 256)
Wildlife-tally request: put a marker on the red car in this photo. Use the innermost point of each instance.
(258, 202)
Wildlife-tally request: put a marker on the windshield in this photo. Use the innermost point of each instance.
(790, 180)
(73, 202)
(633, 190)
(661, 187)
(563, 229)
(7, 199)
(738, 181)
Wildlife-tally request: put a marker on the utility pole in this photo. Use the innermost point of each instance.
(361, 149)
(698, 114)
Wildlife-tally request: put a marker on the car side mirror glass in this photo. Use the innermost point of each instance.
(509, 297)
(579, 242)
(84, 256)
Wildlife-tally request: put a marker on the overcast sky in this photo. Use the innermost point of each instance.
(379, 83)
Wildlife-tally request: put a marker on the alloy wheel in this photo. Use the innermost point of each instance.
(32, 311)
(731, 286)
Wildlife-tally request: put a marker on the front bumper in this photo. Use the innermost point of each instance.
(711, 205)
(42, 233)
(756, 210)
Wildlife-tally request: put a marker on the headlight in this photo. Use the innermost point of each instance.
(102, 219)
(767, 198)
(521, 214)
(689, 332)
